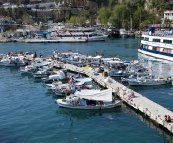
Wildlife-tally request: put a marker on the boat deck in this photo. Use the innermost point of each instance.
(54, 41)
(155, 111)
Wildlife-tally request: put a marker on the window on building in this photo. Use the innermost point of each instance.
(167, 41)
(156, 40)
(146, 39)
(158, 49)
(154, 48)
(165, 50)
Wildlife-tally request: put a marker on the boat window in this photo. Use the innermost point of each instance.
(157, 48)
(156, 40)
(142, 38)
(154, 48)
(146, 39)
(167, 41)
(165, 50)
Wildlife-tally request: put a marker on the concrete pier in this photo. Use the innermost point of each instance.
(153, 110)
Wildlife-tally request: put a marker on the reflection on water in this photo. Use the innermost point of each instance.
(159, 68)
(86, 114)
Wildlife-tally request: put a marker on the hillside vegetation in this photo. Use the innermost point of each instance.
(119, 13)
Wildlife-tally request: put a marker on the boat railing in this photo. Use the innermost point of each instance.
(159, 34)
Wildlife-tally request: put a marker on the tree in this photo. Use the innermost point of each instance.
(167, 21)
(73, 20)
(103, 16)
(26, 19)
(112, 3)
(80, 20)
(121, 14)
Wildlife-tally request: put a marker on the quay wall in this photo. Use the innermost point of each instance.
(151, 109)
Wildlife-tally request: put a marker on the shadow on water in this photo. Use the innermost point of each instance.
(86, 114)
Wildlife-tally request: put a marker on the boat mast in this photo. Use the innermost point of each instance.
(130, 15)
(130, 22)
(140, 20)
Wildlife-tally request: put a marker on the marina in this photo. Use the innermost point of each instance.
(140, 103)
(149, 108)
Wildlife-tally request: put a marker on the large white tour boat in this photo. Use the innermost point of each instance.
(157, 44)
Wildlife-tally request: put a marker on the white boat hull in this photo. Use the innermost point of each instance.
(158, 56)
(14, 65)
(97, 38)
(40, 75)
(150, 83)
(97, 107)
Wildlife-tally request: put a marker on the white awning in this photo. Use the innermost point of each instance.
(97, 95)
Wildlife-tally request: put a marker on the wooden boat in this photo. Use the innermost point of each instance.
(90, 99)
(150, 82)
(58, 76)
(123, 33)
(131, 34)
(29, 69)
(41, 73)
(117, 73)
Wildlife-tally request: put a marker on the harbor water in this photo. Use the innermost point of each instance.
(28, 112)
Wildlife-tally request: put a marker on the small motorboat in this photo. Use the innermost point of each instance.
(117, 73)
(150, 81)
(41, 73)
(57, 76)
(89, 99)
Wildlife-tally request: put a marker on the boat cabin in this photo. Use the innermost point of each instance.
(157, 44)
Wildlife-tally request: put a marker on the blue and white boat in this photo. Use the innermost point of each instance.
(90, 99)
(157, 44)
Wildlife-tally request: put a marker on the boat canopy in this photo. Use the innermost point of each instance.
(59, 75)
(97, 95)
(83, 79)
(110, 59)
(44, 63)
(97, 57)
(115, 62)
(79, 83)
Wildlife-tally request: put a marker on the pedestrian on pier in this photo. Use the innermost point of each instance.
(35, 55)
(41, 56)
(167, 118)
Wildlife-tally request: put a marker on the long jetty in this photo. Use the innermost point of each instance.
(153, 110)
